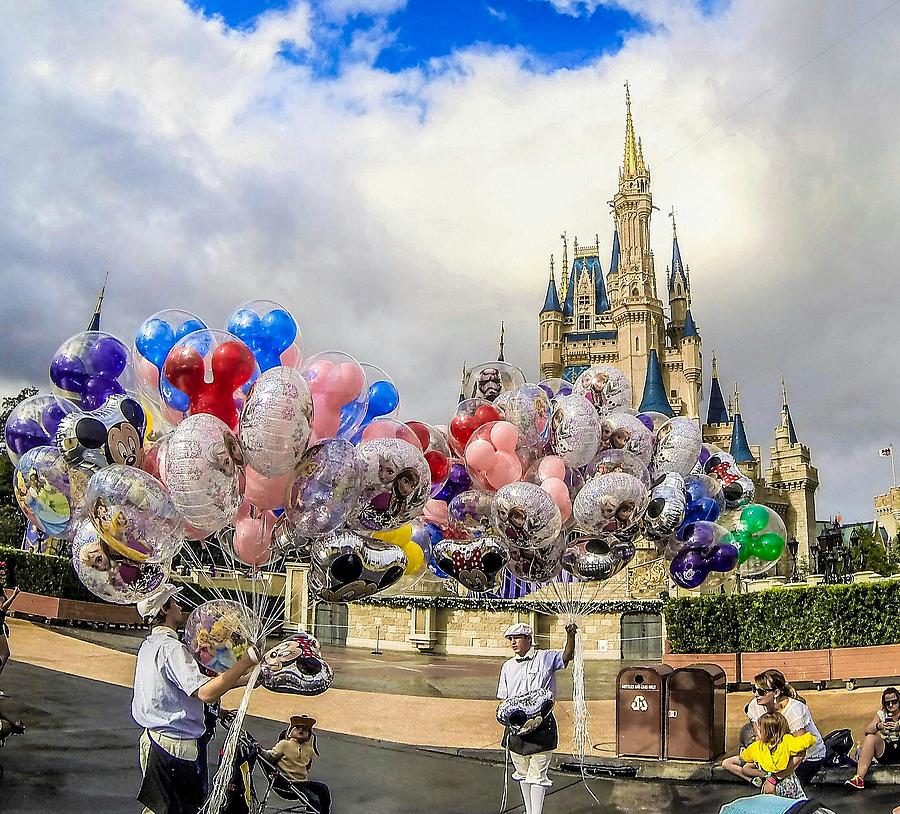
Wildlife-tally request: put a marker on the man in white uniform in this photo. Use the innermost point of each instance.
(169, 697)
(532, 669)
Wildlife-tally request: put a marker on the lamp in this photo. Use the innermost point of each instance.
(793, 547)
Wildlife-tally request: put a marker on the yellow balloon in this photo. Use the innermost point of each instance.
(415, 558)
(399, 537)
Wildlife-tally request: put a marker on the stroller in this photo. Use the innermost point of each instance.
(243, 797)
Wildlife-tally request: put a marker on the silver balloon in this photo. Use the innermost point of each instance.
(612, 502)
(676, 447)
(296, 666)
(327, 484)
(604, 386)
(112, 434)
(528, 409)
(525, 515)
(396, 484)
(595, 559)
(619, 460)
(348, 566)
(525, 713)
(574, 430)
(666, 509)
(623, 431)
(536, 564)
(475, 564)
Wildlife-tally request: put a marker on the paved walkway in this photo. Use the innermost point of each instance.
(375, 711)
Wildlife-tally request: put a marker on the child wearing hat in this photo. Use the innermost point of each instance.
(293, 755)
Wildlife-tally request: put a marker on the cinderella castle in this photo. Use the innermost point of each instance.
(620, 319)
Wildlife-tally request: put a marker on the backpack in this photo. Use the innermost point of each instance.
(837, 748)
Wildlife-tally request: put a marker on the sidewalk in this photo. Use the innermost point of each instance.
(460, 726)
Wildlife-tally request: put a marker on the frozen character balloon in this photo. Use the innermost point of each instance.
(604, 386)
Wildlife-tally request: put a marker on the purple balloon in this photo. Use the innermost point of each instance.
(51, 415)
(98, 389)
(724, 558)
(69, 373)
(108, 357)
(689, 569)
(23, 434)
(645, 420)
(699, 535)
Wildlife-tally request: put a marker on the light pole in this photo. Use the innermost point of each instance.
(793, 546)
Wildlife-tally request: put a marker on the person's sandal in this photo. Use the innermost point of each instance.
(756, 781)
(856, 782)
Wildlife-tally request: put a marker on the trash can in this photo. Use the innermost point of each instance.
(695, 713)
(640, 710)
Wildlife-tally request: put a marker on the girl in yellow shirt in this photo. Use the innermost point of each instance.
(777, 752)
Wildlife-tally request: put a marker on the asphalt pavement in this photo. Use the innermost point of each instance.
(79, 756)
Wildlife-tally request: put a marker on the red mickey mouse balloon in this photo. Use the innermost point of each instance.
(469, 416)
(227, 361)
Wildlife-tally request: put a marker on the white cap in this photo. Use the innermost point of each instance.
(519, 629)
(153, 604)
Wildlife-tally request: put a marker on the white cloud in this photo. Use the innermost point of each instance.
(401, 216)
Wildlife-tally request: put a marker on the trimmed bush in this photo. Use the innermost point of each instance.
(781, 619)
(43, 574)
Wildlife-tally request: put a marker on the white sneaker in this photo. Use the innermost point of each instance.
(757, 781)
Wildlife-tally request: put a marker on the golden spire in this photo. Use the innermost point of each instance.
(564, 278)
(630, 167)
(715, 370)
(737, 400)
(640, 157)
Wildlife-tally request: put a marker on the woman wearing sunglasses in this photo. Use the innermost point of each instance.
(772, 693)
(882, 740)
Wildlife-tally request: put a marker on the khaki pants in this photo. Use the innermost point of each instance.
(532, 768)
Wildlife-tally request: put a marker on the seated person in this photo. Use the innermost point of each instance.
(778, 753)
(882, 741)
(293, 756)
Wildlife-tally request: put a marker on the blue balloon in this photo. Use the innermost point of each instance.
(383, 400)
(280, 329)
(268, 337)
(154, 340)
(188, 327)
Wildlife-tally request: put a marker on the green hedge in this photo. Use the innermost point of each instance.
(43, 574)
(779, 619)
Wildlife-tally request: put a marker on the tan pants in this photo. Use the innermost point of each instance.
(532, 768)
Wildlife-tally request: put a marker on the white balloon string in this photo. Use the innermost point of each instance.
(222, 780)
(505, 796)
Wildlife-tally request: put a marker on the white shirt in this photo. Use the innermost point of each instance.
(798, 717)
(165, 682)
(536, 670)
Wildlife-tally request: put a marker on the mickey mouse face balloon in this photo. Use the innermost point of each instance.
(667, 506)
(526, 712)
(112, 434)
(396, 483)
(595, 559)
(475, 564)
(296, 666)
(348, 566)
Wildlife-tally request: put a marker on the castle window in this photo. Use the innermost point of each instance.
(584, 322)
(634, 292)
(637, 343)
(674, 394)
(584, 302)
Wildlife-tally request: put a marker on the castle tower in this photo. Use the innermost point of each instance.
(637, 312)
(718, 427)
(792, 474)
(744, 455)
(551, 321)
(679, 290)
(654, 397)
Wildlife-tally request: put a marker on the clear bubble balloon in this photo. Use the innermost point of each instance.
(271, 333)
(340, 393)
(437, 453)
(33, 422)
(676, 446)
(218, 633)
(556, 388)
(90, 367)
(489, 379)
(610, 503)
(525, 515)
(762, 537)
(527, 407)
(494, 456)
(383, 401)
(604, 386)
(326, 486)
(133, 514)
(618, 460)
(625, 432)
(737, 487)
(704, 500)
(704, 559)
(202, 465)
(470, 513)
(469, 416)
(561, 481)
(108, 574)
(43, 490)
(538, 565)
(276, 422)
(653, 420)
(575, 430)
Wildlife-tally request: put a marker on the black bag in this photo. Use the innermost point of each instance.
(837, 748)
(543, 739)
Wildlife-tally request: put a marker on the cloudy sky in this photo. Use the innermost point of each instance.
(397, 173)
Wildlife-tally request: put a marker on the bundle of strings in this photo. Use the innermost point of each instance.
(216, 801)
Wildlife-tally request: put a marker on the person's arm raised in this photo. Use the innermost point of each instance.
(216, 687)
(568, 652)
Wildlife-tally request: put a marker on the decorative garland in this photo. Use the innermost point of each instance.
(470, 603)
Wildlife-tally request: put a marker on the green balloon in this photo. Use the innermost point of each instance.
(769, 546)
(744, 541)
(754, 518)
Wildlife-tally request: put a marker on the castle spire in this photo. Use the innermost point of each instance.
(654, 397)
(551, 301)
(740, 447)
(500, 351)
(717, 413)
(462, 383)
(630, 167)
(786, 421)
(94, 324)
(564, 277)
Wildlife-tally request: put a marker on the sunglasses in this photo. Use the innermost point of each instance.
(759, 692)
(890, 702)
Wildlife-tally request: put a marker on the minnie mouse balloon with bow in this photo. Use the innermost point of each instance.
(296, 666)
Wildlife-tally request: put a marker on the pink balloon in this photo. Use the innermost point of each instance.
(326, 420)
(558, 490)
(437, 511)
(252, 541)
(147, 372)
(552, 467)
(352, 379)
(504, 436)
(154, 460)
(266, 493)
(506, 469)
(291, 357)
(480, 455)
(318, 374)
